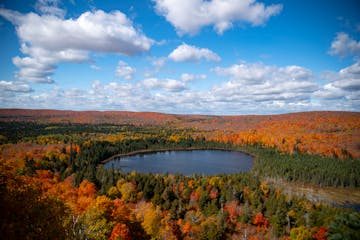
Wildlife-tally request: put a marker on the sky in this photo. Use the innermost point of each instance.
(213, 57)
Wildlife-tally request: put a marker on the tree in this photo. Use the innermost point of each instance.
(25, 211)
(151, 220)
(345, 226)
(121, 212)
(320, 233)
(113, 193)
(120, 231)
(260, 221)
(97, 221)
(169, 230)
(278, 220)
(300, 233)
(128, 192)
(211, 230)
(84, 199)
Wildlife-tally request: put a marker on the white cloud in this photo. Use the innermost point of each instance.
(158, 63)
(168, 85)
(329, 92)
(266, 84)
(246, 88)
(50, 7)
(344, 45)
(352, 71)
(124, 70)
(34, 70)
(258, 73)
(9, 86)
(188, 53)
(186, 77)
(95, 67)
(95, 31)
(189, 16)
(249, 74)
(344, 86)
(42, 63)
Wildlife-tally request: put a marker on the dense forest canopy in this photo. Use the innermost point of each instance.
(323, 133)
(51, 172)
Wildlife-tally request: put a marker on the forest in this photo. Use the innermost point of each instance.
(53, 184)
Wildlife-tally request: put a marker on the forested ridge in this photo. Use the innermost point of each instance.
(332, 134)
(52, 173)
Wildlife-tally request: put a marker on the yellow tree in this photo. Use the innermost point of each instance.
(150, 217)
(128, 192)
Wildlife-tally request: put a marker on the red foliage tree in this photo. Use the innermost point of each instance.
(120, 231)
(321, 233)
(260, 221)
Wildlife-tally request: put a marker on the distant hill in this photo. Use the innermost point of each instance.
(206, 122)
(91, 117)
(332, 133)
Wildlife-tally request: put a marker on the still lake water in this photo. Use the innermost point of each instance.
(207, 162)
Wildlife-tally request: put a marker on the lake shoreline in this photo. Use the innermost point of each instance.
(171, 149)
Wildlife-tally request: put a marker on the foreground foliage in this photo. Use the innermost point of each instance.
(144, 206)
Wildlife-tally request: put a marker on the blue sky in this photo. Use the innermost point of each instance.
(224, 57)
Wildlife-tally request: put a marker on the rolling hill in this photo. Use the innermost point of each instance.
(327, 133)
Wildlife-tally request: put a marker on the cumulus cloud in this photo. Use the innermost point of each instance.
(268, 84)
(50, 7)
(12, 94)
(42, 63)
(92, 31)
(343, 85)
(349, 78)
(343, 89)
(169, 85)
(343, 45)
(8, 86)
(186, 77)
(248, 74)
(124, 70)
(189, 16)
(189, 53)
(245, 88)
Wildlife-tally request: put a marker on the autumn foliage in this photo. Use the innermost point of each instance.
(260, 221)
(334, 134)
(325, 133)
(52, 186)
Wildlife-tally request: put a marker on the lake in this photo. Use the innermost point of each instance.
(207, 162)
